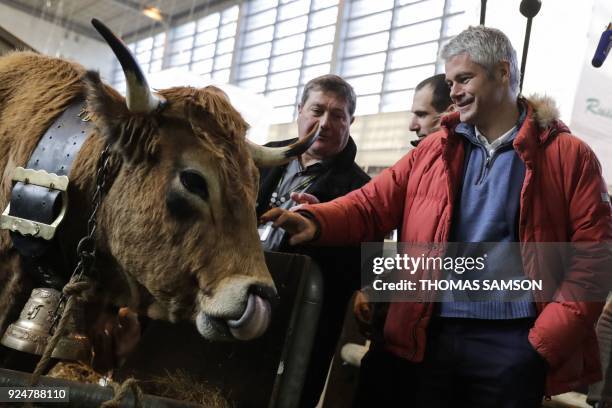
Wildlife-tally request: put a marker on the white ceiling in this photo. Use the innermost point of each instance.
(124, 17)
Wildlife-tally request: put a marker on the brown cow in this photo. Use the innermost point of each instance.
(176, 232)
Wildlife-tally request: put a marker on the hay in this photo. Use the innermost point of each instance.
(177, 385)
(182, 386)
(77, 372)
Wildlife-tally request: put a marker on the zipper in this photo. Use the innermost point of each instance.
(489, 160)
(485, 167)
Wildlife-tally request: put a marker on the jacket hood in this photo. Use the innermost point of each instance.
(543, 121)
(545, 111)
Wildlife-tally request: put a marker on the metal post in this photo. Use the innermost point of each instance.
(483, 11)
(528, 8)
(525, 50)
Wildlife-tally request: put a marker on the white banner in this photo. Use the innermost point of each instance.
(592, 114)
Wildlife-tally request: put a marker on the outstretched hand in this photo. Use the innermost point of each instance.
(301, 199)
(299, 228)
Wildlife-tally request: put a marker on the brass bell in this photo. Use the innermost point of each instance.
(30, 333)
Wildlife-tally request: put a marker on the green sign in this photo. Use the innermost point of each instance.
(594, 106)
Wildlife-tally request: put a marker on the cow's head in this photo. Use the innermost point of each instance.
(179, 219)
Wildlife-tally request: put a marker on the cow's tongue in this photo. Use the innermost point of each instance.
(253, 322)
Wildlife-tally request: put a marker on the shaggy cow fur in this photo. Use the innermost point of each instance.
(161, 249)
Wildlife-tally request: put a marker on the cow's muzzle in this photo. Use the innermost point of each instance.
(252, 322)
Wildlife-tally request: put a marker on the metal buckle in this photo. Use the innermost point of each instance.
(34, 228)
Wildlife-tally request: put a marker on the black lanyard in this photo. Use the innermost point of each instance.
(277, 201)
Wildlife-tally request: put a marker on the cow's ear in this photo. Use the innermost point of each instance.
(106, 106)
(131, 134)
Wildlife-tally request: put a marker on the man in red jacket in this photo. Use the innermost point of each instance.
(381, 372)
(502, 169)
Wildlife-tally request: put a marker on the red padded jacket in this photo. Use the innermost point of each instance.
(562, 200)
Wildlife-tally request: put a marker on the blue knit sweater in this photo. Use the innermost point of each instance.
(487, 211)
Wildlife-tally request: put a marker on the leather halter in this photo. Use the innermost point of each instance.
(39, 195)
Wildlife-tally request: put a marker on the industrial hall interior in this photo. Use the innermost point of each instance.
(306, 203)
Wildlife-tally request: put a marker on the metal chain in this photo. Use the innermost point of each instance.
(86, 249)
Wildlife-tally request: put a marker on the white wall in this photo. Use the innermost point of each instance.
(564, 36)
(53, 40)
(592, 115)
(557, 49)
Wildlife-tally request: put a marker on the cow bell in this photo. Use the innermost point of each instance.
(31, 332)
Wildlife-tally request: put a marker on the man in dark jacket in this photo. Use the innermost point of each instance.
(326, 171)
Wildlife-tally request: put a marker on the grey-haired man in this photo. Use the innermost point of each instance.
(502, 169)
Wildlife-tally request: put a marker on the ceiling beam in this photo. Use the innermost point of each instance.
(129, 5)
(13, 42)
(62, 21)
(155, 25)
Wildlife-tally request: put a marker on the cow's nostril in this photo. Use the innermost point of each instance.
(265, 292)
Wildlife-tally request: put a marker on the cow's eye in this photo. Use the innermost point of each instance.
(194, 183)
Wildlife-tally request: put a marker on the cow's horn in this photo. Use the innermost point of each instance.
(139, 97)
(275, 156)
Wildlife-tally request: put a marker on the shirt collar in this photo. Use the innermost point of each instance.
(296, 167)
(473, 135)
(509, 135)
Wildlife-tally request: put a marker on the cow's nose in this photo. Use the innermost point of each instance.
(265, 292)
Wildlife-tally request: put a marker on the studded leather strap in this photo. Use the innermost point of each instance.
(55, 153)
